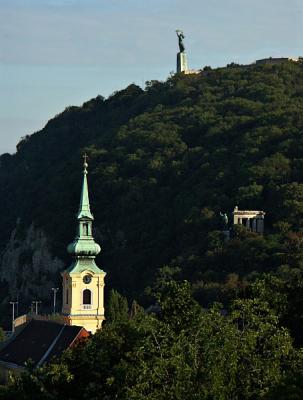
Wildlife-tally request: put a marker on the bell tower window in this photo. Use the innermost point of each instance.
(87, 297)
(85, 229)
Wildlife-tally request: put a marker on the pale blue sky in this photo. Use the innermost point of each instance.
(56, 53)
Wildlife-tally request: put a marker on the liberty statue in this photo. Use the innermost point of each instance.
(181, 36)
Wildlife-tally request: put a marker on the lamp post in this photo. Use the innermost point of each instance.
(17, 304)
(55, 290)
(36, 302)
(13, 316)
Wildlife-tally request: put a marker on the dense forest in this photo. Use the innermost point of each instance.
(164, 161)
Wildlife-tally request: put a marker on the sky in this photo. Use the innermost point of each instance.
(57, 53)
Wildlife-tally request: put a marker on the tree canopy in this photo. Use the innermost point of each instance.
(185, 352)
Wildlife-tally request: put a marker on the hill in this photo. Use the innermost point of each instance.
(163, 162)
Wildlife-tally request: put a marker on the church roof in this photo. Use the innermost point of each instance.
(84, 244)
(84, 208)
(39, 341)
(80, 265)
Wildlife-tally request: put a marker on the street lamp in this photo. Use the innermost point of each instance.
(13, 316)
(55, 290)
(36, 302)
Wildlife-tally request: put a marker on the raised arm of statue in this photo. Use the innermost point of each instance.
(181, 36)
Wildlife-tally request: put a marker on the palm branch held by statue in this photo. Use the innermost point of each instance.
(181, 36)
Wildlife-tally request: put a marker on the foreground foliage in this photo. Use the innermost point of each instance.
(185, 352)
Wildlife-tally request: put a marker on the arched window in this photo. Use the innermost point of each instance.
(87, 296)
(85, 229)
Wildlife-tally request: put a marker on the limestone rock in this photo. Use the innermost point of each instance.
(27, 264)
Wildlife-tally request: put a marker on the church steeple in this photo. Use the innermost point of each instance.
(83, 281)
(84, 244)
(84, 208)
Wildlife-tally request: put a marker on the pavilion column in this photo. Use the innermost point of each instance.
(261, 225)
(254, 225)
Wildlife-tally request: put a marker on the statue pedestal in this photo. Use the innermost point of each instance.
(227, 235)
(181, 62)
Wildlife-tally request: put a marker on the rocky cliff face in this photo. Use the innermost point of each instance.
(27, 264)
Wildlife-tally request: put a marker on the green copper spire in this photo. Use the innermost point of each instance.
(84, 208)
(84, 248)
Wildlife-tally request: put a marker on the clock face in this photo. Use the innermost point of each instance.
(87, 279)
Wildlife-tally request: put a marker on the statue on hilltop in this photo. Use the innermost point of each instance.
(224, 221)
(181, 36)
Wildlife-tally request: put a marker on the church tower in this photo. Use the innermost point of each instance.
(83, 281)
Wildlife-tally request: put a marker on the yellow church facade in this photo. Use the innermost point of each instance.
(83, 302)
